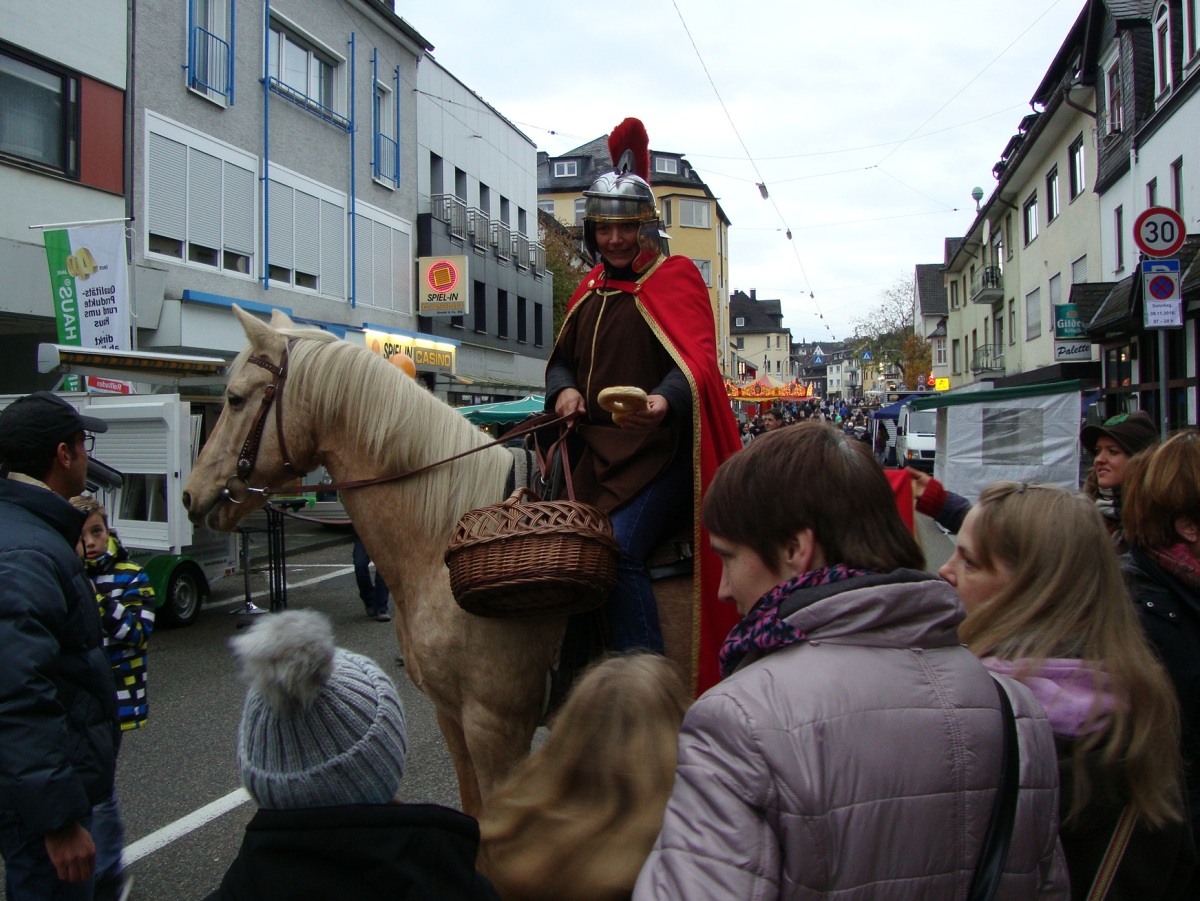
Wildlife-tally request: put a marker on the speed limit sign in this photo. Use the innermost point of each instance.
(1159, 232)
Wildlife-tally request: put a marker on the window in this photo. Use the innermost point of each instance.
(479, 306)
(522, 320)
(566, 168)
(666, 212)
(1191, 31)
(200, 199)
(501, 314)
(304, 74)
(539, 325)
(693, 213)
(1055, 290)
(1079, 271)
(1052, 195)
(306, 240)
(939, 351)
(1012, 321)
(1008, 238)
(546, 206)
(739, 322)
(39, 114)
(741, 343)
(1177, 182)
(210, 49)
(1152, 192)
(1033, 314)
(1030, 218)
(1078, 177)
(705, 267)
(1119, 238)
(955, 356)
(1115, 120)
(387, 139)
(954, 294)
(666, 165)
(1162, 51)
(580, 209)
(1012, 437)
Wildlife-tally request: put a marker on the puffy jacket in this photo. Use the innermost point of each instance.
(860, 763)
(58, 723)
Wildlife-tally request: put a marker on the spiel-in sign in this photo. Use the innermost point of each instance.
(444, 286)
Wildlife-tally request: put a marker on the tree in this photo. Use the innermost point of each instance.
(886, 329)
(918, 360)
(564, 261)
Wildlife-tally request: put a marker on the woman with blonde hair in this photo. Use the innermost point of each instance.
(1046, 605)
(578, 818)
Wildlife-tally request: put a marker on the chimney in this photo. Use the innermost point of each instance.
(754, 294)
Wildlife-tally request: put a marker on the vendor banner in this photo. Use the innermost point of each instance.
(89, 285)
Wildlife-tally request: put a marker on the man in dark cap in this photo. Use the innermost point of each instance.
(58, 724)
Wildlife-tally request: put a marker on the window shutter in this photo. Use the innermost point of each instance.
(1079, 271)
(239, 209)
(308, 234)
(279, 231)
(381, 237)
(333, 250)
(166, 195)
(204, 199)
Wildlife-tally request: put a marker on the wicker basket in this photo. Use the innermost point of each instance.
(532, 558)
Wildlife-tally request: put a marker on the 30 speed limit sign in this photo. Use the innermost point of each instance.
(1159, 232)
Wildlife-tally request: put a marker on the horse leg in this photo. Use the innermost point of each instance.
(674, 599)
(464, 767)
(497, 741)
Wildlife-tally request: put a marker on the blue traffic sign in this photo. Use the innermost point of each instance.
(866, 356)
(818, 360)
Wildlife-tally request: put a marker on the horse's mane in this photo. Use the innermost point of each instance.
(399, 426)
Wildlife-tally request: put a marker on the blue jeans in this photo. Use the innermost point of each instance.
(29, 874)
(374, 596)
(108, 834)
(640, 526)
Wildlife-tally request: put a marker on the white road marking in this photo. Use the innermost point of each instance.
(233, 602)
(181, 827)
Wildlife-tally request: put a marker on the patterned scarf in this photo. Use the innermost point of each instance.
(762, 627)
(1179, 562)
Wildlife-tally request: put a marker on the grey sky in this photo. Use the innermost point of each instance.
(822, 95)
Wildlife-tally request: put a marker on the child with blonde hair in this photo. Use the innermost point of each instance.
(578, 818)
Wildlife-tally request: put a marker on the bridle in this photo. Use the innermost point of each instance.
(237, 488)
(248, 457)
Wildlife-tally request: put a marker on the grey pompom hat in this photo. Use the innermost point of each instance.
(322, 727)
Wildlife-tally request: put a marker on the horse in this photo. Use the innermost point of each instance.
(340, 406)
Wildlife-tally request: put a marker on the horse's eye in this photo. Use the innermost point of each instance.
(234, 402)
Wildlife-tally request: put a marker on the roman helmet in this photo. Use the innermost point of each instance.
(624, 195)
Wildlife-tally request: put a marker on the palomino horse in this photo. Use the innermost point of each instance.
(342, 407)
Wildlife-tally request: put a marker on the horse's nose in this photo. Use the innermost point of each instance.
(187, 501)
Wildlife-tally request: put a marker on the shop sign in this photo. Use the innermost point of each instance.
(429, 355)
(443, 284)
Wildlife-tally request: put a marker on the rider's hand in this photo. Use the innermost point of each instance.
(570, 404)
(72, 852)
(649, 418)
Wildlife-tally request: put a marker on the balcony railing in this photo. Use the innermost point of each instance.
(988, 285)
(478, 225)
(537, 259)
(452, 211)
(500, 237)
(988, 358)
(387, 158)
(520, 250)
(210, 63)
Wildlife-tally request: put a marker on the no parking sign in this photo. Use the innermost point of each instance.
(1163, 307)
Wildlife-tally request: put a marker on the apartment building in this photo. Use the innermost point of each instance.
(758, 334)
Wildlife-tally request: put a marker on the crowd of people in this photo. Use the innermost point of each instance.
(1024, 723)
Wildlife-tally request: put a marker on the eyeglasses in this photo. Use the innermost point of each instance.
(88, 442)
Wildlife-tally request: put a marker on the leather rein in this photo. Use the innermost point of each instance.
(273, 396)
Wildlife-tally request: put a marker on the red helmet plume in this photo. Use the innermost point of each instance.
(630, 138)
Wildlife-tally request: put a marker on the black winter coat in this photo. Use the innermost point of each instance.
(398, 852)
(58, 714)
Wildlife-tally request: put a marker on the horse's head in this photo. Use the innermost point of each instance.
(244, 451)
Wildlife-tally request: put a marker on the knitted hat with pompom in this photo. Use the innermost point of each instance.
(322, 727)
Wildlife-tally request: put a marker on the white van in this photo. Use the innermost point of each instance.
(916, 438)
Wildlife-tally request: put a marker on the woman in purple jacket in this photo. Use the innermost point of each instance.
(853, 749)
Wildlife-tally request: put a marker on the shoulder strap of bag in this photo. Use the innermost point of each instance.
(1112, 857)
(996, 840)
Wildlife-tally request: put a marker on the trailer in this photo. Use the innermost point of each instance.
(152, 440)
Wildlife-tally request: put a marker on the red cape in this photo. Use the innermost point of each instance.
(675, 301)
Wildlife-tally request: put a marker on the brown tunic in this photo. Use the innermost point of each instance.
(606, 341)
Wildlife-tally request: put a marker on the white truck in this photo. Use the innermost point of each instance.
(916, 438)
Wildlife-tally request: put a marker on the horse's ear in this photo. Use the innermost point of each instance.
(280, 319)
(255, 329)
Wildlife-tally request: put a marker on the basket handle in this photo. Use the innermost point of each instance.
(519, 494)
